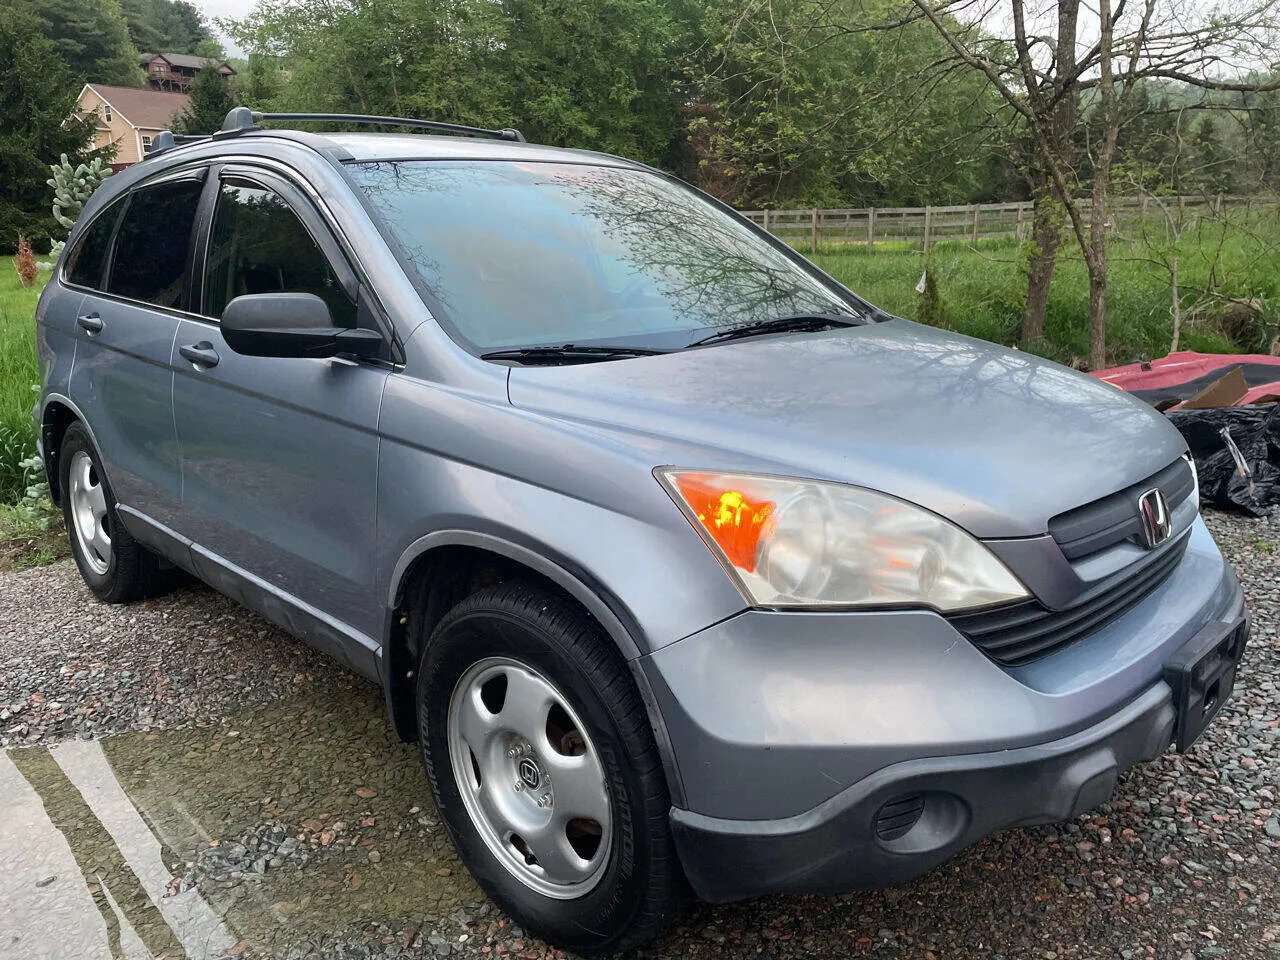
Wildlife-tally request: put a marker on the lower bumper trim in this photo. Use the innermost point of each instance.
(834, 847)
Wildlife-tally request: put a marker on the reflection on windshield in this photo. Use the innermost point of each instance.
(538, 254)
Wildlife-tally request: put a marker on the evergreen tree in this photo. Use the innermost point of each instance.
(211, 98)
(165, 26)
(37, 95)
(92, 38)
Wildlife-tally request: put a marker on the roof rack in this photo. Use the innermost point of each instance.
(242, 119)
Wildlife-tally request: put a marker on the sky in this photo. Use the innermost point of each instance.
(225, 8)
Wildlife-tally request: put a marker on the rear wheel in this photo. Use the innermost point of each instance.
(115, 567)
(545, 771)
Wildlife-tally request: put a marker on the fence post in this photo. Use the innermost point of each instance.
(928, 226)
(976, 208)
(766, 221)
(871, 228)
(1017, 231)
(813, 232)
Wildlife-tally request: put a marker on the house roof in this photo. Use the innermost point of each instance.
(188, 60)
(142, 106)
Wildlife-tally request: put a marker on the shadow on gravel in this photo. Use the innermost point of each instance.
(286, 827)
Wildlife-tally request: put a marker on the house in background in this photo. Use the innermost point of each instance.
(128, 117)
(175, 71)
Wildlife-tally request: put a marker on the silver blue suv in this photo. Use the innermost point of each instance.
(689, 570)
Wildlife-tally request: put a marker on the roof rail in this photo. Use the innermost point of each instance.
(167, 140)
(242, 119)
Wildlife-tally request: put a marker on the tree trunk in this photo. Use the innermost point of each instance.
(1096, 258)
(1176, 304)
(1098, 314)
(1047, 238)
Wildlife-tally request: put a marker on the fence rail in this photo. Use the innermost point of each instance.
(868, 226)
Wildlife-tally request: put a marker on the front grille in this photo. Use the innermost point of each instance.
(898, 816)
(1022, 632)
(1103, 523)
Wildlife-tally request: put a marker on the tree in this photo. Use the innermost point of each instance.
(165, 26)
(210, 100)
(92, 38)
(37, 96)
(594, 73)
(812, 99)
(1154, 39)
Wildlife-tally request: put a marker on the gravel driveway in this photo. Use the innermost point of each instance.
(197, 782)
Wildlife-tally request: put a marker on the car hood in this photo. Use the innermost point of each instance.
(996, 440)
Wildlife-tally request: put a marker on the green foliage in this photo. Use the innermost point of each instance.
(808, 103)
(210, 99)
(37, 98)
(259, 80)
(594, 73)
(165, 26)
(73, 185)
(18, 371)
(92, 38)
(587, 73)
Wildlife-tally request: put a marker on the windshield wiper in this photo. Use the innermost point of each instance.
(800, 323)
(570, 353)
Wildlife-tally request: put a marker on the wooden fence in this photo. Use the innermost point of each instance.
(984, 221)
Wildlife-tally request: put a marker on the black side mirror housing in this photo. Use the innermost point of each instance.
(291, 325)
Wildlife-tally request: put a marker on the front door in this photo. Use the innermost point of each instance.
(280, 455)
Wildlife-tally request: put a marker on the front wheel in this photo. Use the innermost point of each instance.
(545, 771)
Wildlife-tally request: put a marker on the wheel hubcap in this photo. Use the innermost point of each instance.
(530, 777)
(88, 500)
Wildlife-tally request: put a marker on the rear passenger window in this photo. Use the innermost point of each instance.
(258, 245)
(84, 265)
(153, 243)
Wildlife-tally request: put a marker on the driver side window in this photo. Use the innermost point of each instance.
(257, 244)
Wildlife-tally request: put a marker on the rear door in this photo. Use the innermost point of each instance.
(280, 455)
(134, 267)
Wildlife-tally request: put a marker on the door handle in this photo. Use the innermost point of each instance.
(201, 354)
(90, 323)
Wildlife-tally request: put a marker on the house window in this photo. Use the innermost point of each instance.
(106, 112)
(157, 68)
(146, 142)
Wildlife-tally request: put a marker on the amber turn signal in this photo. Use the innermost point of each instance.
(730, 517)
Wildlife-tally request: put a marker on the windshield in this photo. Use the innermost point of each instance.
(518, 254)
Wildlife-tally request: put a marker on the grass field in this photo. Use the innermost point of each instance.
(980, 292)
(18, 372)
(982, 289)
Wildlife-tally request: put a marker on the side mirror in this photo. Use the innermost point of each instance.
(291, 325)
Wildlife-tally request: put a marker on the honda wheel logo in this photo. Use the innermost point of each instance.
(1156, 524)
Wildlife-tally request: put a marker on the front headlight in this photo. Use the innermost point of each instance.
(808, 543)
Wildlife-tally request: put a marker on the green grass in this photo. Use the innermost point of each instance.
(982, 290)
(18, 372)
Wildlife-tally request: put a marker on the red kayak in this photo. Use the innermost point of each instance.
(1182, 375)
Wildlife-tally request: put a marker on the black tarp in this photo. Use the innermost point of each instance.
(1237, 454)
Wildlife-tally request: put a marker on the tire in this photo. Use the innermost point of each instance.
(116, 568)
(534, 640)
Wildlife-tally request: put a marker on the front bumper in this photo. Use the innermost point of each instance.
(923, 745)
(835, 847)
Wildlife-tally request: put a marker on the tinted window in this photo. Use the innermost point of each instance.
(84, 266)
(525, 254)
(258, 245)
(155, 237)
